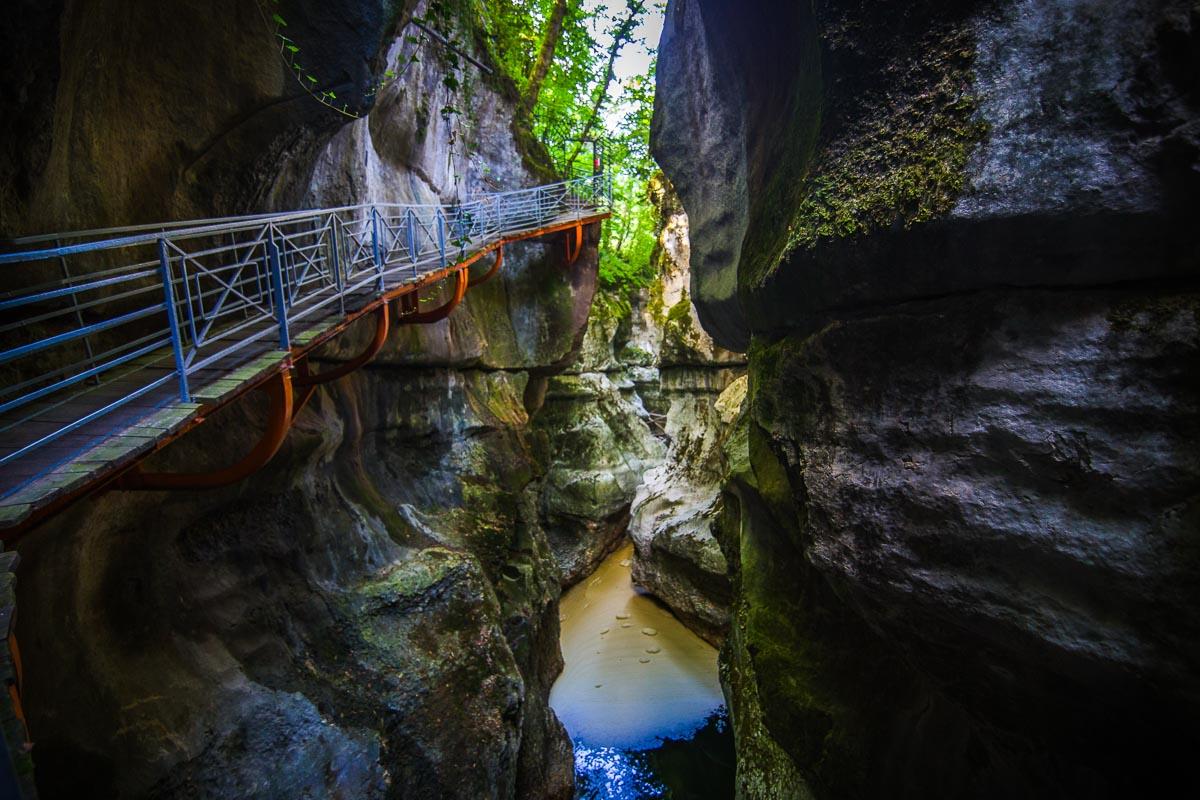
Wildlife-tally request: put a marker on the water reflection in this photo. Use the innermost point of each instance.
(639, 695)
(698, 768)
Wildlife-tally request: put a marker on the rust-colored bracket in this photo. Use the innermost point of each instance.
(307, 383)
(573, 254)
(462, 280)
(487, 276)
(278, 423)
(17, 686)
(303, 378)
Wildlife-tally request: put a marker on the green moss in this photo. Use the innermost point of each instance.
(414, 576)
(611, 305)
(498, 398)
(681, 311)
(1152, 314)
(656, 305)
(902, 163)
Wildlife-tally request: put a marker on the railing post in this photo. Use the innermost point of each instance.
(285, 341)
(338, 282)
(412, 238)
(441, 226)
(164, 271)
(375, 247)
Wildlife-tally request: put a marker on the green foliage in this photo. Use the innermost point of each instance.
(626, 251)
(581, 99)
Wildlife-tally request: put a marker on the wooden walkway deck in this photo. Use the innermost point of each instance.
(47, 479)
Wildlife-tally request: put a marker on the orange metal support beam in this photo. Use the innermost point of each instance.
(303, 378)
(573, 254)
(278, 423)
(487, 276)
(408, 303)
(462, 280)
(307, 383)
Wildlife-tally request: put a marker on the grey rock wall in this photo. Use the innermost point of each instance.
(960, 547)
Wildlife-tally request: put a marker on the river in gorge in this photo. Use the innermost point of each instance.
(639, 695)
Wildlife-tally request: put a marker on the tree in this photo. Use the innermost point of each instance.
(621, 36)
(541, 67)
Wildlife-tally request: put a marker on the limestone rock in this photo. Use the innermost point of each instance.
(678, 558)
(375, 613)
(958, 541)
(598, 450)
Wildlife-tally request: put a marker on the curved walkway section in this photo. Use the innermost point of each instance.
(115, 342)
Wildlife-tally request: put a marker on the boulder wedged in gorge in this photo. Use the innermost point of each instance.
(961, 545)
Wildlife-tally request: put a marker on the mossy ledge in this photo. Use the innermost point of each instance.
(892, 156)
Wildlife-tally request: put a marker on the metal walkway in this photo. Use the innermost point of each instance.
(113, 343)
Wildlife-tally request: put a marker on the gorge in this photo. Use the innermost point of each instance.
(855, 455)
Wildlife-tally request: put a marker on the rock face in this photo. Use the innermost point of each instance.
(377, 610)
(599, 449)
(678, 558)
(711, 108)
(126, 111)
(375, 613)
(960, 545)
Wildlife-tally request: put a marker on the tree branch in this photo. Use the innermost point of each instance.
(541, 67)
(621, 37)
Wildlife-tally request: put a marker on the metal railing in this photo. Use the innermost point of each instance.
(123, 314)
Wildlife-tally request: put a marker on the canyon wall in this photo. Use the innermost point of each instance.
(955, 241)
(647, 436)
(375, 613)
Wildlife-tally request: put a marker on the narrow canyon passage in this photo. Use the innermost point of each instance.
(600, 400)
(634, 676)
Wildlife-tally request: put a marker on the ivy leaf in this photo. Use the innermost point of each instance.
(293, 49)
(280, 21)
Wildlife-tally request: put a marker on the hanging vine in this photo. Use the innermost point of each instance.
(289, 52)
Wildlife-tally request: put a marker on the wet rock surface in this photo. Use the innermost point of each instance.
(960, 543)
(678, 558)
(379, 607)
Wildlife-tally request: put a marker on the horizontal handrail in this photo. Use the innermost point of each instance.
(127, 235)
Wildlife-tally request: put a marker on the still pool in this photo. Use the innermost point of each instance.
(639, 695)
